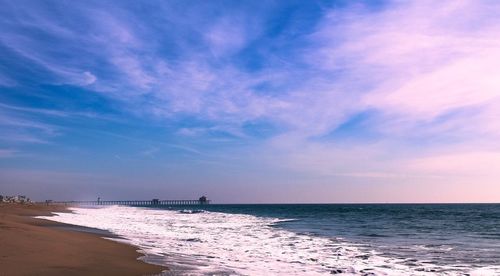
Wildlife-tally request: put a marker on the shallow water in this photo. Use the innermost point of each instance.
(348, 239)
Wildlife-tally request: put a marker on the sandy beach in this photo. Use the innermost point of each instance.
(30, 246)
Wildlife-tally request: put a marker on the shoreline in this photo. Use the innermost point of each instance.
(32, 246)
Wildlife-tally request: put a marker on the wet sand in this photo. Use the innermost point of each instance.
(30, 246)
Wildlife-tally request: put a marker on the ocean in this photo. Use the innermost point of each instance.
(308, 239)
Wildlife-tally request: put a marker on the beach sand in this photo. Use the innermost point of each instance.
(30, 246)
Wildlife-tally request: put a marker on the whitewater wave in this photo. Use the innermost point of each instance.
(208, 243)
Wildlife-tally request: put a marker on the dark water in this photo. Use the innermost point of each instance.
(441, 234)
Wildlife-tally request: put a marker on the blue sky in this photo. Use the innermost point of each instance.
(268, 101)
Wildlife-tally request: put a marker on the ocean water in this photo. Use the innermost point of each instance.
(344, 239)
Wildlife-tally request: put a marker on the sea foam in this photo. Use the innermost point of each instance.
(208, 243)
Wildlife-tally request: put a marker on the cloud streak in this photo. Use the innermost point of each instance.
(361, 90)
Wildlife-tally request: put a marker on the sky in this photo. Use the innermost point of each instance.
(251, 101)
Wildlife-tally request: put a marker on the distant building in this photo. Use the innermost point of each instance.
(15, 199)
(203, 200)
(20, 199)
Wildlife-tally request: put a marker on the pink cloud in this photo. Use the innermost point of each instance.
(420, 61)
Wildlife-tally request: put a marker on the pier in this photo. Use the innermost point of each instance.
(138, 203)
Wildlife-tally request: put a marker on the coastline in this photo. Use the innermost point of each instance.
(31, 246)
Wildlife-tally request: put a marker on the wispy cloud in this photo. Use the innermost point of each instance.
(418, 62)
(6, 153)
(20, 124)
(391, 59)
(150, 152)
(409, 85)
(5, 81)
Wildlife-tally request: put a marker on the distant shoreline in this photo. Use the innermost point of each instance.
(42, 247)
